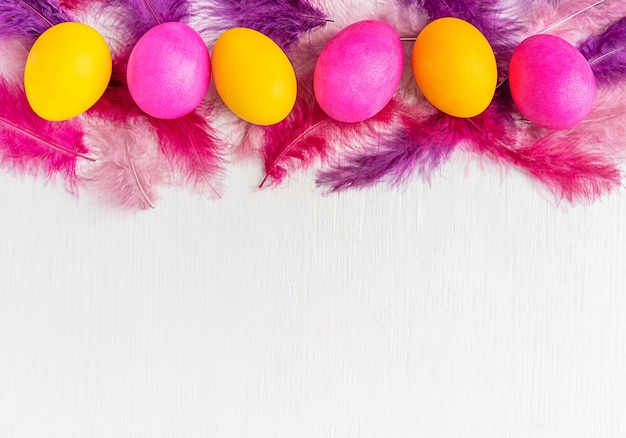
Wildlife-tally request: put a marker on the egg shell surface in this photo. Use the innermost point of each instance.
(358, 71)
(551, 82)
(455, 67)
(67, 70)
(253, 76)
(169, 71)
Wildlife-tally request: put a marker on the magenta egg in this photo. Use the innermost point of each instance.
(551, 82)
(358, 71)
(169, 70)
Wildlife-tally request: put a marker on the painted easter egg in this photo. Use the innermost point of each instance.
(67, 71)
(253, 76)
(358, 71)
(455, 67)
(551, 82)
(169, 70)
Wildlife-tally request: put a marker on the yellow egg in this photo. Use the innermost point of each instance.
(253, 76)
(455, 67)
(67, 70)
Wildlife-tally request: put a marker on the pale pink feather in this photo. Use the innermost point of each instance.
(13, 54)
(572, 20)
(128, 168)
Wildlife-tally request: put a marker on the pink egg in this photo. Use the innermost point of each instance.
(169, 70)
(551, 82)
(358, 71)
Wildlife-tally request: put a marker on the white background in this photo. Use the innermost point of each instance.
(473, 307)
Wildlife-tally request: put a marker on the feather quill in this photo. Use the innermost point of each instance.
(129, 168)
(31, 145)
(606, 54)
(29, 18)
(284, 21)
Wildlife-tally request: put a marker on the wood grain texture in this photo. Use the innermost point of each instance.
(473, 307)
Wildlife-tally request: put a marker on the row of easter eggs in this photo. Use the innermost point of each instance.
(356, 74)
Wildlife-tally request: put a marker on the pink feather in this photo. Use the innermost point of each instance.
(128, 167)
(31, 145)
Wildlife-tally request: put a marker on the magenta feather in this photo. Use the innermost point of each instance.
(75, 5)
(129, 168)
(573, 171)
(13, 55)
(31, 145)
(308, 134)
(606, 53)
(193, 149)
(296, 141)
(29, 17)
(284, 21)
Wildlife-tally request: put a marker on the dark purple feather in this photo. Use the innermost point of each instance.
(501, 27)
(414, 146)
(284, 21)
(31, 145)
(606, 54)
(137, 17)
(29, 18)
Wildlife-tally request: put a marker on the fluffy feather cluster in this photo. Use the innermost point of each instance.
(123, 155)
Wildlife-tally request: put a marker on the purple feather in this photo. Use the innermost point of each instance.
(491, 17)
(29, 18)
(139, 16)
(31, 145)
(606, 54)
(423, 145)
(284, 21)
(416, 145)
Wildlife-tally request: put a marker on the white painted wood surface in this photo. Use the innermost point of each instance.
(471, 308)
